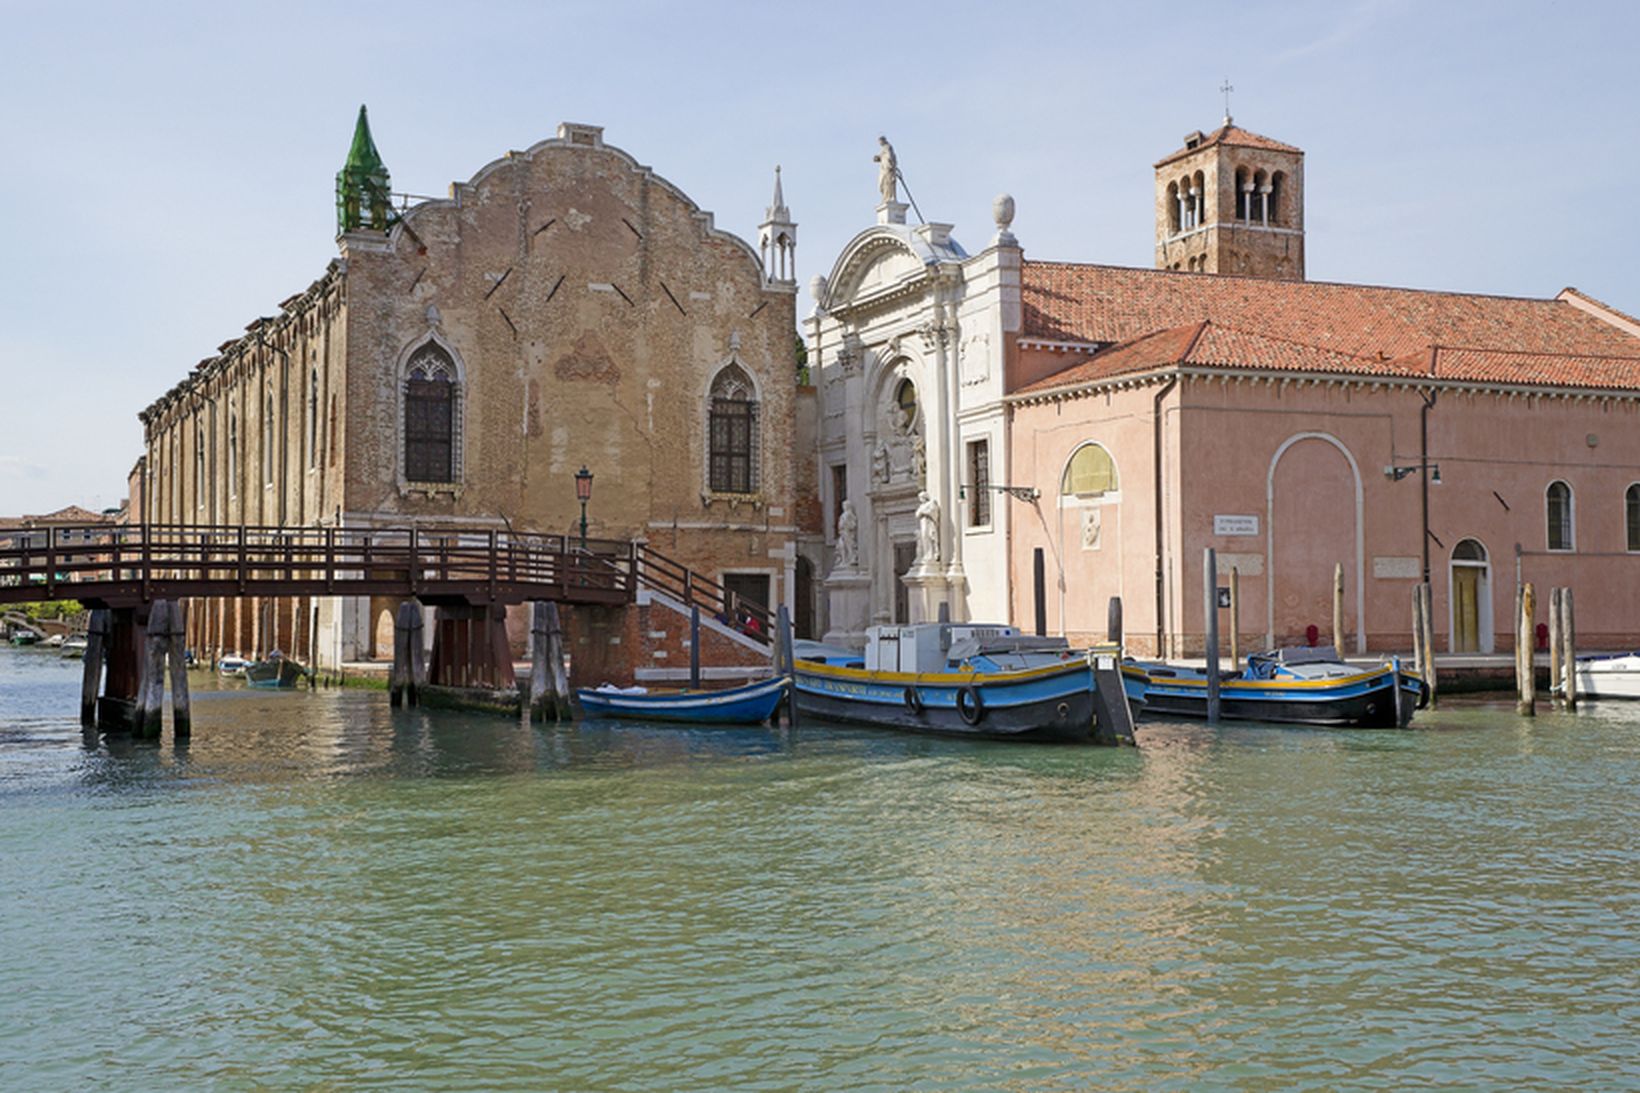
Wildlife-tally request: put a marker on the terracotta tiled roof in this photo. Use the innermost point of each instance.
(1231, 134)
(1320, 326)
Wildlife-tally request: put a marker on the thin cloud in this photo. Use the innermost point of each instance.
(14, 468)
(1355, 22)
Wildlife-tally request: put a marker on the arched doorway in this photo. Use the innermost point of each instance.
(1471, 584)
(1313, 505)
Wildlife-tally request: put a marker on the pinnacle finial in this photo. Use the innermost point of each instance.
(362, 185)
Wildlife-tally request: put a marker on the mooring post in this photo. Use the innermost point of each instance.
(1235, 618)
(1418, 658)
(1210, 616)
(175, 635)
(1527, 706)
(562, 710)
(1568, 642)
(1113, 621)
(96, 637)
(694, 647)
(1556, 695)
(543, 700)
(1039, 583)
(783, 626)
(1338, 609)
(1432, 689)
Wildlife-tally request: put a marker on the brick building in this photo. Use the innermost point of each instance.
(463, 357)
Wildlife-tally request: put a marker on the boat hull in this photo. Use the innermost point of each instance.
(1609, 677)
(752, 704)
(1364, 700)
(282, 673)
(1035, 704)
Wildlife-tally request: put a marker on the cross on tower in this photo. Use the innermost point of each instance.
(1227, 87)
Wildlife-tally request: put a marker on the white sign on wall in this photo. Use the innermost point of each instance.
(1235, 525)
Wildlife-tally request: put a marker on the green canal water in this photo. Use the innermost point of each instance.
(320, 893)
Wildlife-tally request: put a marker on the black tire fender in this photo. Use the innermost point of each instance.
(970, 706)
(913, 700)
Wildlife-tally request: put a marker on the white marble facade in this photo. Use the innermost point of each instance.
(909, 334)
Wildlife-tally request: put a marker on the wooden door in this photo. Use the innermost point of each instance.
(905, 555)
(1466, 618)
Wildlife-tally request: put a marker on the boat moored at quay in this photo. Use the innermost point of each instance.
(1308, 686)
(963, 679)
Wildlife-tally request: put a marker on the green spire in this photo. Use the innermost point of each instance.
(362, 185)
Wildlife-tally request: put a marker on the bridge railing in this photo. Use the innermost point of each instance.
(54, 562)
(655, 570)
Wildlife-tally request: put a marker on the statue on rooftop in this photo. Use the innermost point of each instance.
(888, 170)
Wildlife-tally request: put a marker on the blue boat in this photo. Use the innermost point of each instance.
(751, 704)
(962, 679)
(1298, 685)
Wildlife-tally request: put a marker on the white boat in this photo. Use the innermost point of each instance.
(1609, 676)
(74, 648)
(232, 665)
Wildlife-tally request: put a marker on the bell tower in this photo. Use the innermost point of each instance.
(1231, 201)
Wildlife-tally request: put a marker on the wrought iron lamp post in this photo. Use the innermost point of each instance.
(583, 491)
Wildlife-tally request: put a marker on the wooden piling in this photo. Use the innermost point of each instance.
(1235, 618)
(549, 683)
(1568, 643)
(1113, 621)
(406, 680)
(151, 690)
(96, 647)
(1418, 629)
(1556, 694)
(1338, 608)
(694, 647)
(783, 629)
(1527, 706)
(175, 635)
(1210, 616)
(1431, 683)
(1039, 585)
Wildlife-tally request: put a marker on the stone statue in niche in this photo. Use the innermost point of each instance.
(928, 528)
(848, 526)
(888, 170)
(879, 464)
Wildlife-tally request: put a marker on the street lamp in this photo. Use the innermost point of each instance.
(583, 491)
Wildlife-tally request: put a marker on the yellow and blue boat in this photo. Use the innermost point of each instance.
(961, 679)
(1298, 685)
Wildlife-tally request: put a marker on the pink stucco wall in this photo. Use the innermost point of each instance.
(1292, 455)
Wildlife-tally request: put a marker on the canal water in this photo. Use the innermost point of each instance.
(318, 892)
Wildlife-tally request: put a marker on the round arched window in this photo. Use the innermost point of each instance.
(1090, 473)
(905, 397)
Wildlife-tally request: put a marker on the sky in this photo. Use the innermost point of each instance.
(168, 169)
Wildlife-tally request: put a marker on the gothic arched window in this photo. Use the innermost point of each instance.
(1278, 183)
(1090, 473)
(267, 436)
(1173, 208)
(1558, 511)
(732, 433)
(432, 396)
(199, 466)
(233, 453)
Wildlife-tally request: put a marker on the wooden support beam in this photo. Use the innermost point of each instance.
(96, 648)
(403, 685)
(549, 685)
(1556, 695)
(1338, 609)
(1568, 641)
(1527, 706)
(175, 638)
(1427, 617)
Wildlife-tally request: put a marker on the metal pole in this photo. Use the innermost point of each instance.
(583, 527)
(1039, 578)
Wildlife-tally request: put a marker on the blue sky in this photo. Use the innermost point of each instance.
(169, 168)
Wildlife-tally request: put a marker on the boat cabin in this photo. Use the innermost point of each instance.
(941, 646)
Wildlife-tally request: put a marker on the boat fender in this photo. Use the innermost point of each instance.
(970, 706)
(913, 701)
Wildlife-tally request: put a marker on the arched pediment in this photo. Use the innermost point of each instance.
(883, 261)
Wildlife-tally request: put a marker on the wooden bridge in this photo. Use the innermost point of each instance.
(135, 575)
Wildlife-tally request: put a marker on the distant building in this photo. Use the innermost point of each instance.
(463, 357)
(1117, 421)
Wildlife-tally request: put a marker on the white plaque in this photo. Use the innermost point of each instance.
(1235, 525)
(1397, 568)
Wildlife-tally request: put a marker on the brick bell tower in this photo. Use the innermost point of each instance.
(1231, 201)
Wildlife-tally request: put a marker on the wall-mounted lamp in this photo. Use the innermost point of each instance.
(1398, 473)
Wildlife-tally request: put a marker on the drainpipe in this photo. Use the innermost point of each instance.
(1156, 479)
(1423, 468)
